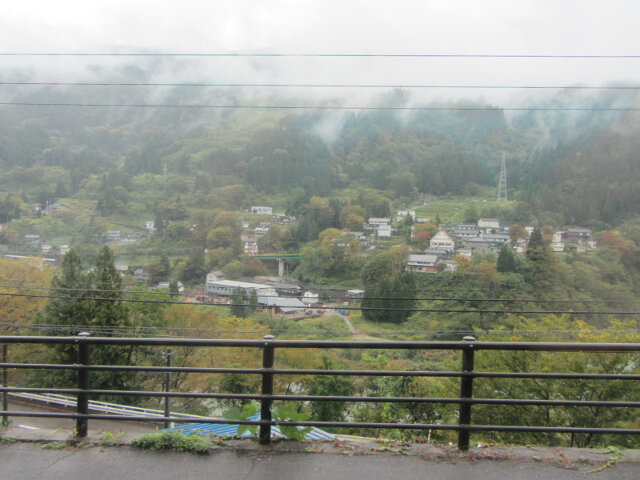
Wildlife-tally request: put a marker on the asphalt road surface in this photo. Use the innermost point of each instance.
(26, 461)
(41, 423)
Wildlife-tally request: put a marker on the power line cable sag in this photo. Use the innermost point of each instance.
(153, 331)
(430, 299)
(323, 55)
(320, 107)
(319, 85)
(388, 309)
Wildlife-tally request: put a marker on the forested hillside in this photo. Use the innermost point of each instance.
(179, 182)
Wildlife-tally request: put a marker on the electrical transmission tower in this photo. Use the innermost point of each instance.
(502, 183)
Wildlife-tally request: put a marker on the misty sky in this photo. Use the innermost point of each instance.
(338, 26)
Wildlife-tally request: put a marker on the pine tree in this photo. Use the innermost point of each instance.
(506, 260)
(110, 315)
(541, 271)
(66, 313)
(90, 302)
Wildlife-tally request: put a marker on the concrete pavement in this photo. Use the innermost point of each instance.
(51, 455)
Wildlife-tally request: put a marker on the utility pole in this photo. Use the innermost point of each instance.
(167, 389)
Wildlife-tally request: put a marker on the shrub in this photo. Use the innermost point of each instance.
(176, 441)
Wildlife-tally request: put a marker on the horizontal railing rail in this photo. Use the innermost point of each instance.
(82, 391)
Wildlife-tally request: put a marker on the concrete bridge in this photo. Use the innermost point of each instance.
(280, 258)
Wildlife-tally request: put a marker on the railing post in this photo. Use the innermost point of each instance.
(466, 392)
(167, 388)
(5, 384)
(267, 389)
(82, 403)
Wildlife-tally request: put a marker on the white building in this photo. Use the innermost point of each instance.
(251, 247)
(402, 214)
(489, 223)
(226, 288)
(374, 223)
(310, 298)
(443, 241)
(262, 210)
(384, 231)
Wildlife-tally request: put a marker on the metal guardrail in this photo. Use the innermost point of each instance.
(266, 397)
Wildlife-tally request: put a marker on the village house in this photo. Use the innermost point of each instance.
(402, 214)
(374, 223)
(355, 294)
(310, 298)
(251, 247)
(496, 238)
(383, 232)
(285, 306)
(422, 263)
(288, 289)
(260, 231)
(479, 245)
(262, 210)
(488, 224)
(464, 230)
(557, 242)
(31, 238)
(443, 241)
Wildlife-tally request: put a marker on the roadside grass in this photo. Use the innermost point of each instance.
(175, 441)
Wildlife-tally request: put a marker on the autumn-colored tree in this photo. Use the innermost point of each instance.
(463, 264)
(426, 227)
(19, 310)
(328, 235)
(614, 240)
(516, 233)
(421, 240)
(487, 272)
(352, 217)
(537, 330)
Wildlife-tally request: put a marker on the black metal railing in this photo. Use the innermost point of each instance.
(468, 346)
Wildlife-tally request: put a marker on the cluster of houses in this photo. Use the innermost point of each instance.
(35, 240)
(486, 235)
(489, 235)
(251, 235)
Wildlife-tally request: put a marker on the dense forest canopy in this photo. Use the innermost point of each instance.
(570, 167)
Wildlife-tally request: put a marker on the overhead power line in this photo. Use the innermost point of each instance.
(335, 297)
(320, 85)
(388, 309)
(320, 55)
(318, 107)
(144, 331)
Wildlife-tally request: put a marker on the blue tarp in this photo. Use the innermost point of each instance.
(232, 429)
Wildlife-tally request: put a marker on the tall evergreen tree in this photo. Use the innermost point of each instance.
(237, 303)
(507, 261)
(109, 315)
(66, 313)
(540, 265)
(91, 303)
